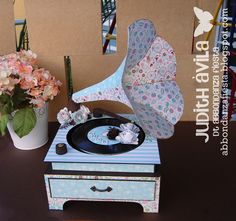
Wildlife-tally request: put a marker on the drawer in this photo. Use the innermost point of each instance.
(102, 189)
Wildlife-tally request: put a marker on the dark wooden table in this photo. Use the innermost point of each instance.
(198, 184)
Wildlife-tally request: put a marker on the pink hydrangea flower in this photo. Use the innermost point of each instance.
(20, 68)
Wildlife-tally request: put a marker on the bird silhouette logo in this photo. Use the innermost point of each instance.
(204, 18)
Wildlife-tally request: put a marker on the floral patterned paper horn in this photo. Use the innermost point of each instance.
(145, 81)
(149, 80)
(108, 89)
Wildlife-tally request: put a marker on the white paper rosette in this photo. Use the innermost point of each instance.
(64, 116)
(127, 137)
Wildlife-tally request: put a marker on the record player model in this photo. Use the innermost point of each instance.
(102, 156)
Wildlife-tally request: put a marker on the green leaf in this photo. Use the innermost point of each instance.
(24, 121)
(5, 104)
(3, 123)
(19, 98)
(4, 98)
(7, 108)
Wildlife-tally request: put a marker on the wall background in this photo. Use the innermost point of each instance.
(58, 28)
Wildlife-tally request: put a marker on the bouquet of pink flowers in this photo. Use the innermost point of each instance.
(23, 87)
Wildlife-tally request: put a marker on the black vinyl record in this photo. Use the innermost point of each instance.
(77, 137)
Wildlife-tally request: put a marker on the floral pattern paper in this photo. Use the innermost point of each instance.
(145, 81)
(150, 84)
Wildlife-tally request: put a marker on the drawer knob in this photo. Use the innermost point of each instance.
(94, 189)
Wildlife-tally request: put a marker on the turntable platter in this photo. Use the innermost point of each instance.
(89, 137)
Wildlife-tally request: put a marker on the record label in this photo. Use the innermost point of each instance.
(97, 136)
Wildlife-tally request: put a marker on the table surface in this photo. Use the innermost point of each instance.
(197, 183)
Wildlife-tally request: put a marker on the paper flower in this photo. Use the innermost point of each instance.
(126, 134)
(64, 116)
(81, 115)
(129, 126)
(84, 109)
(67, 117)
(127, 137)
